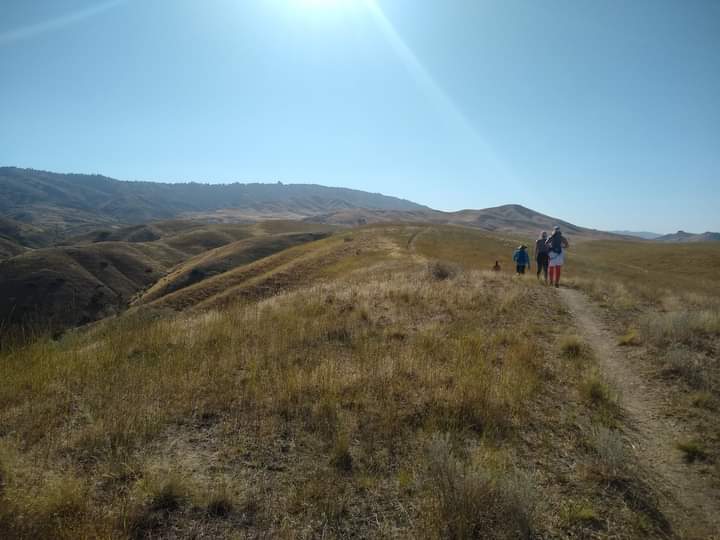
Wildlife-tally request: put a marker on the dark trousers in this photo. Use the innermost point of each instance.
(542, 264)
(520, 268)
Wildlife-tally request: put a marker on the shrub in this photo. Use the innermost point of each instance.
(572, 347)
(220, 505)
(579, 513)
(440, 271)
(474, 502)
(610, 451)
(596, 390)
(689, 366)
(341, 457)
(692, 451)
(163, 497)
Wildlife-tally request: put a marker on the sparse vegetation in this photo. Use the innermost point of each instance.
(692, 451)
(596, 390)
(630, 339)
(612, 458)
(442, 270)
(670, 318)
(475, 501)
(363, 396)
(581, 514)
(572, 347)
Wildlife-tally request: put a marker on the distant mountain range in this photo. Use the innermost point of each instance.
(682, 236)
(42, 209)
(75, 203)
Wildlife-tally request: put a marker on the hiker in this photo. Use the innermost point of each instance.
(541, 255)
(521, 258)
(496, 268)
(557, 244)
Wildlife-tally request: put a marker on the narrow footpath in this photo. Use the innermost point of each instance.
(688, 500)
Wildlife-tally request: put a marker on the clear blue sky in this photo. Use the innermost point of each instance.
(605, 113)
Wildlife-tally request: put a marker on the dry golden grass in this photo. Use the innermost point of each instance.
(369, 363)
(377, 400)
(664, 301)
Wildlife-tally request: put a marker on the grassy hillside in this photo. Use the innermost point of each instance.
(224, 259)
(55, 288)
(17, 237)
(656, 267)
(8, 248)
(380, 393)
(61, 287)
(663, 302)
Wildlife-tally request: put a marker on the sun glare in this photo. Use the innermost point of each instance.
(325, 4)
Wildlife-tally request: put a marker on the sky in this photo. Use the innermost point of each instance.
(605, 114)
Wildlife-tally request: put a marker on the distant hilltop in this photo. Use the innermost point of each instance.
(77, 203)
(682, 236)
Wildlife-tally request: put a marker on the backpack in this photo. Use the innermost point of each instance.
(555, 242)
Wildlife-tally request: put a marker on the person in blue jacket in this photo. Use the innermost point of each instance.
(521, 259)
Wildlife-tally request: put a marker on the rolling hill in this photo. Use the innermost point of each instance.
(682, 236)
(224, 259)
(511, 219)
(69, 285)
(16, 237)
(74, 204)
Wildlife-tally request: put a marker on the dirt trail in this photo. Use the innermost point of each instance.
(688, 499)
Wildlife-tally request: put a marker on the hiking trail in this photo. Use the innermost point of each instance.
(689, 501)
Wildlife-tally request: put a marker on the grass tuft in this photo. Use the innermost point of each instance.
(572, 347)
(580, 514)
(596, 390)
(703, 400)
(692, 451)
(220, 505)
(473, 501)
(341, 457)
(690, 366)
(440, 270)
(630, 339)
(164, 495)
(610, 450)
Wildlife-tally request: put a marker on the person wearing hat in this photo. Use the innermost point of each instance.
(521, 259)
(557, 244)
(541, 256)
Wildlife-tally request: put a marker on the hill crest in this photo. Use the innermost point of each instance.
(76, 203)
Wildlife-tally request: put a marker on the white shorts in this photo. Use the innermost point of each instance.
(556, 259)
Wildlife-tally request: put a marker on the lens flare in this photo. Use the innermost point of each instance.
(59, 22)
(424, 79)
